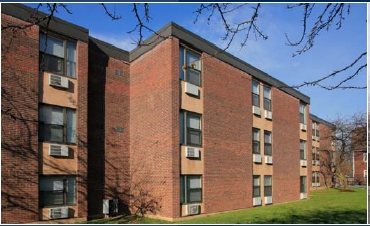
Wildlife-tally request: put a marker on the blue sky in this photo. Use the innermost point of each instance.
(333, 49)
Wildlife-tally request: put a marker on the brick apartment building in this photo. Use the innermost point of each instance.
(177, 126)
(359, 161)
(323, 153)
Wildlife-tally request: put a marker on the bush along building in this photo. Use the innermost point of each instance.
(171, 129)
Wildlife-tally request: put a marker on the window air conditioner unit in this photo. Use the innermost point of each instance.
(268, 114)
(192, 152)
(318, 138)
(317, 162)
(257, 201)
(314, 184)
(304, 195)
(268, 199)
(59, 81)
(318, 184)
(58, 213)
(191, 89)
(313, 162)
(58, 150)
(304, 163)
(303, 127)
(257, 158)
(268, 159)
(192, 210)
(256, 110)
(110, 206)
(313, 137)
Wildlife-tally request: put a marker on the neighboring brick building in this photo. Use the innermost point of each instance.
(176, 126)
(323, 153)
(359, 161)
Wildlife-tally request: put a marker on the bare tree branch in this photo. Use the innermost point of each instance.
(140, 26)
(113, 15)
(338, 72)
(246, 26)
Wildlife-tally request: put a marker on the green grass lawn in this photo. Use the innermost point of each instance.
(324, 207)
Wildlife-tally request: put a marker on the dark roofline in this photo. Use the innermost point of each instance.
(110, 49)
(322, 121)
(197, 42)
(56, 25)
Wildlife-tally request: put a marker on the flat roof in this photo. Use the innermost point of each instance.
(197, 42)
(171, 29)
(322, 121)
(56, 25)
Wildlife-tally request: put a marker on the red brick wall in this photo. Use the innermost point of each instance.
(19, 127)
(117, 143)
(154, 128)
(286, 147)
(325, 158)
(82, 72)
(109, 106)
(227, 136)
(309, 151)
(360, 165)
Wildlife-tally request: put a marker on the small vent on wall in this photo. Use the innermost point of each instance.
(58, 81)
(192, 209)
(58, 213)
(58, 150)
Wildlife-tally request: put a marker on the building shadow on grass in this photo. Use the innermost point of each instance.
(318, 217)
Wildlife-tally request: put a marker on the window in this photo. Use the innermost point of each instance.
(315, 177)
(267, 98)
(256, 186)
(256, 141)
(190, 189)
(268, 186)
(190, 128)
(313, 156)
(302, 148)
(255, 93)
(190, 66)
(302, 113)
(317, 154)
(364, 157)
(316, 129)
(268, 147)
(365, 173)
(57, 190)
(303, 184)
(57, 124)
(57, 56)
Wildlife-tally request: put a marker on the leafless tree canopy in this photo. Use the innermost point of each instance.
(350, 135)
(316, 19)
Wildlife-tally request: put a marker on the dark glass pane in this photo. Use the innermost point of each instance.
(56, 133)
(182, 189)
(256, 147)
(52, 64)
(267, 104)
(268, 190)
(52, 133)
(256, 99)
(194, 195)
(301, 118)
(51, 198)
(302, 155)
(302, 184)
(193, 76)
(268, 149)
(256, 191)
(194, 137)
